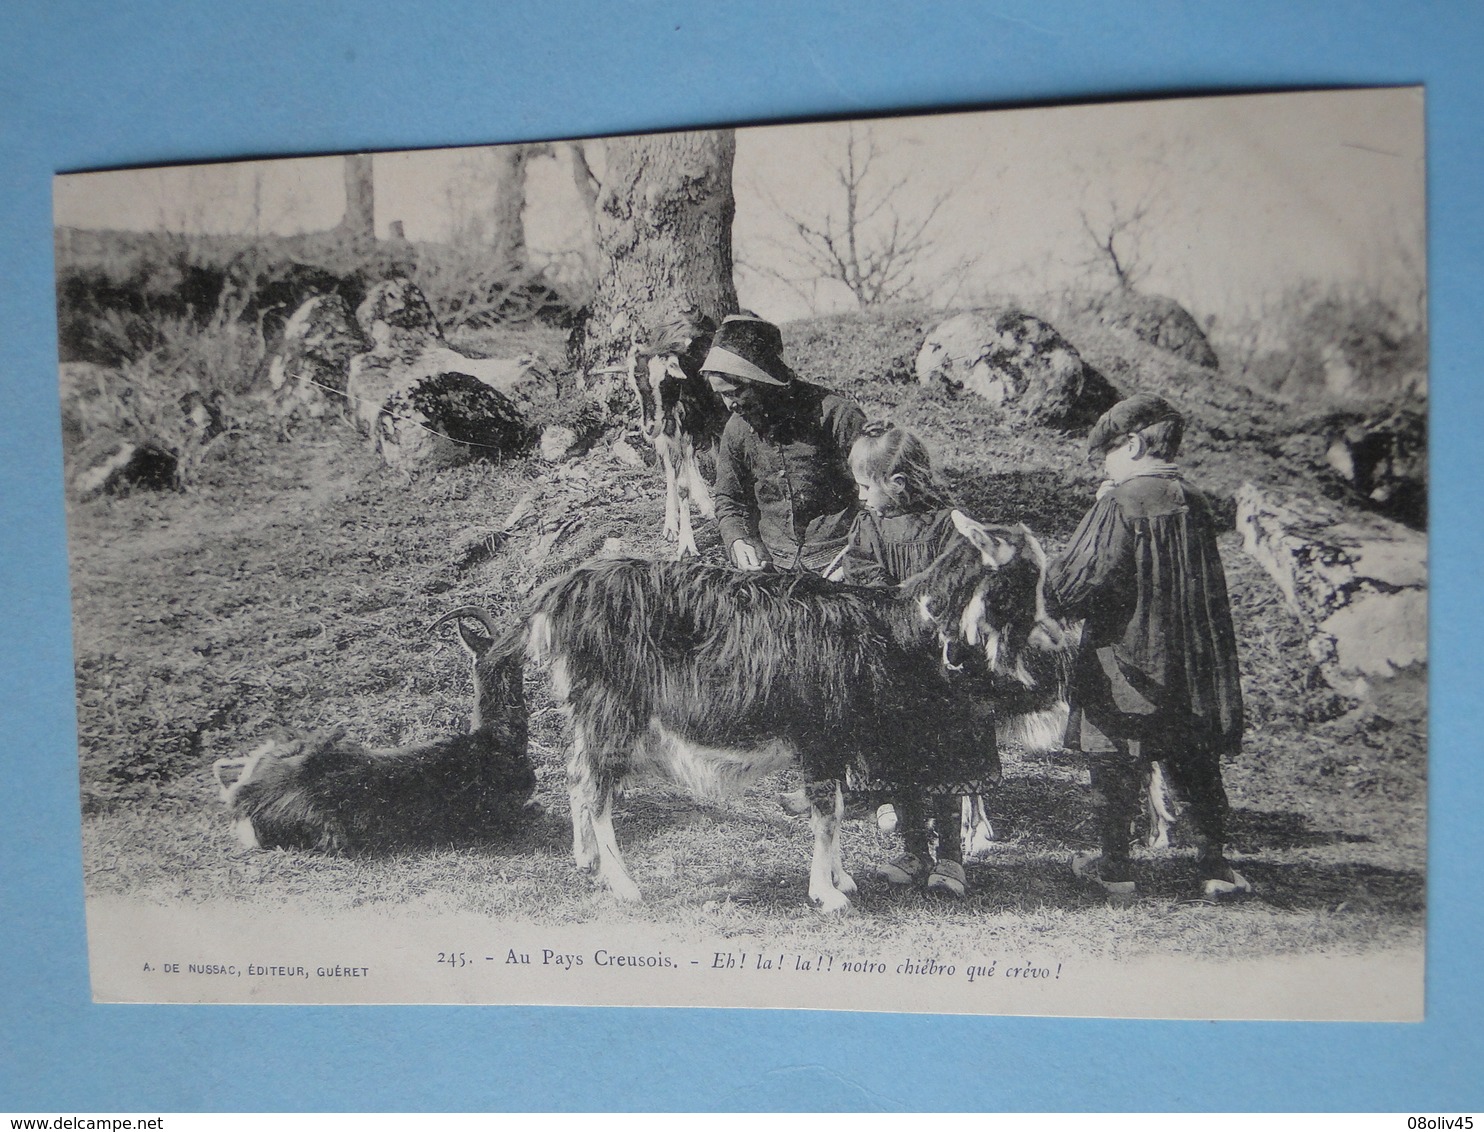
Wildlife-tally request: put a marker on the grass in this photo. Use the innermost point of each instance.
(292, 585)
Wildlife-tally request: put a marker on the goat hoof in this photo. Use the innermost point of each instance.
(831, 903)
(845, 883)
(624, 890)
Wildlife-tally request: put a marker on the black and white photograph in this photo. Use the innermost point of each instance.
(968, 563)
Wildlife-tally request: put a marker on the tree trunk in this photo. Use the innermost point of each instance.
(507, 209)
(586, 185)
(584, 181)
(359, 222)
(664, 230)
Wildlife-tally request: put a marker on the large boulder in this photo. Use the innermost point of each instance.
(437, 420)
(398, 322)
(267, 292)
(1158, 320)
(396, 310)
(311, 364)
(1017, 362)
(1358, 583)
(423, 403)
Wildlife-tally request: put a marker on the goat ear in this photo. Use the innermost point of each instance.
(1047, 635)
(966, 526)
(1033, 546)
(289, 746)
(228, 771)
(994, 550)
(316, 740)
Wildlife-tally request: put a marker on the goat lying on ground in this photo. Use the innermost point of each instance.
(678, 413)
(323, 791)
(712, 678)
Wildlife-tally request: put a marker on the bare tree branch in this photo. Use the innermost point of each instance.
(1119, 232)
(868, 242)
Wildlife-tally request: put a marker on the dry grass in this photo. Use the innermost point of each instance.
(292, 586)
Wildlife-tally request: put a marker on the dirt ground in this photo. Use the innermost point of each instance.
(292, 585)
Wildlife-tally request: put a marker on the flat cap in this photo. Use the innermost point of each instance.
(1129, 415)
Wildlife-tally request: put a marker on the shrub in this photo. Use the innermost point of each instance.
(1335, 342)
(470, 290)
(108, 314)
(182, 395)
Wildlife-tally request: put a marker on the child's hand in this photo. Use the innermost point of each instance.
(746, 557)
(1105, 487)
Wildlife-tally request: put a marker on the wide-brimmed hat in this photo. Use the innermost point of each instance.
(746, 348)
(1128, 416)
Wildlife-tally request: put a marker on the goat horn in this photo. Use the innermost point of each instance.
(472, 611)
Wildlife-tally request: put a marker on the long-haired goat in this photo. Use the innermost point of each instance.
(712, 678)
(678, 413)
(323, 791)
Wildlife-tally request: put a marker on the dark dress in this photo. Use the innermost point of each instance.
(1158, 660)
(1156, 675)
(960, 755)
(790, 488)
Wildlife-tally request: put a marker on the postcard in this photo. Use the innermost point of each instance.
(962, 563)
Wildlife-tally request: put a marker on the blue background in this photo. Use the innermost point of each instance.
(93, 84)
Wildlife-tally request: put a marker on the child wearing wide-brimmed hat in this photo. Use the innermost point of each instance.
(1156, 675)
(783, 493)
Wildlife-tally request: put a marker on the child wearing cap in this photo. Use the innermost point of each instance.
(1156, 674)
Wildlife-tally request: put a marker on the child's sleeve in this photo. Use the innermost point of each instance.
(862, 564)
(845, 420)
(736, 510)
(1097, 567)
